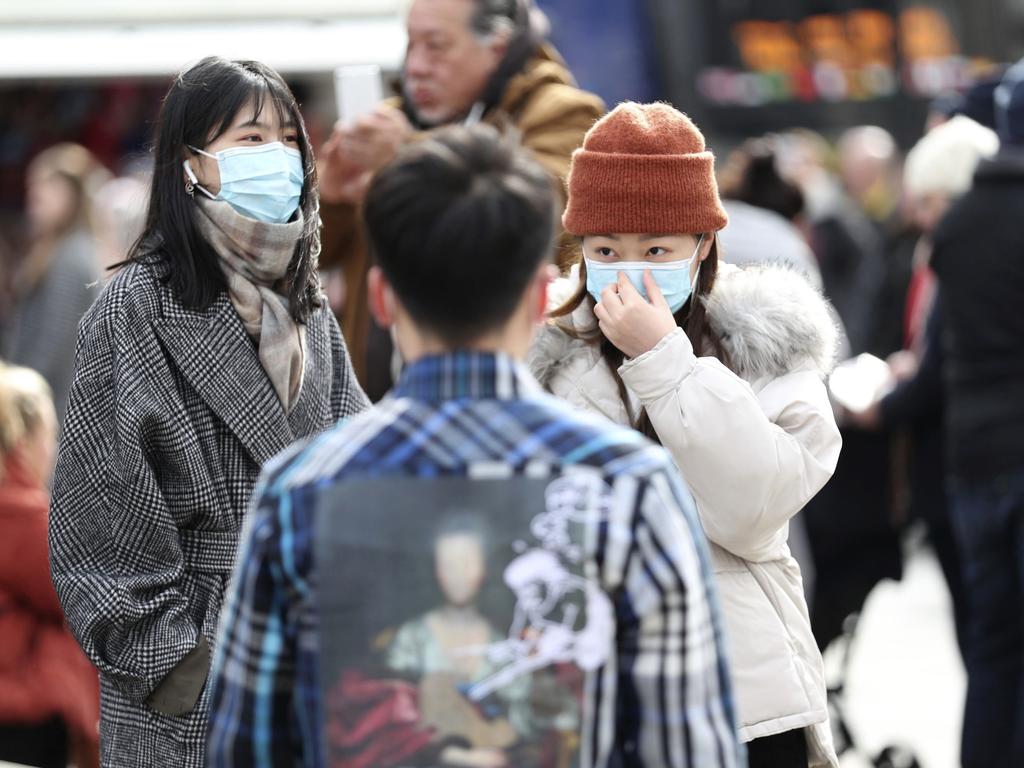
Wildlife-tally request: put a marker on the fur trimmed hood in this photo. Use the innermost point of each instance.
(770, 318)
(771, 321)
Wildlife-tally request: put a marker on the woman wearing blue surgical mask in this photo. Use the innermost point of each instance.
(724, 367)
(208, 353)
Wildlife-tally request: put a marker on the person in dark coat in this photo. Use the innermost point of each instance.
(939, 169)
(209, 352)
(977, 258)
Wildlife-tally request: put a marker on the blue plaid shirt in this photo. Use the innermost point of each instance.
(449, 416)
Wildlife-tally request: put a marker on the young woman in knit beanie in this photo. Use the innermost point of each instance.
(724, 367)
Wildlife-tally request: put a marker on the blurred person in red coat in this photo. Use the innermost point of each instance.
(49, 692)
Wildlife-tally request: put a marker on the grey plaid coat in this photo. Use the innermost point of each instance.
(170, 419)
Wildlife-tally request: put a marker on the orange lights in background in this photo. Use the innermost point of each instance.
(861, 54)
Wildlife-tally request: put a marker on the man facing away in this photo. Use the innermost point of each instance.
(466, 61)
(471, 574)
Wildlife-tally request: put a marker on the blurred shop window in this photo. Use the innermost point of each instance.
(856, 55)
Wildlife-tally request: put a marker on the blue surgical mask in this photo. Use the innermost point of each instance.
(263, 182)
(672, 278)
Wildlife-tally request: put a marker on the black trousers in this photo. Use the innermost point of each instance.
(44, 745)
(783, 750)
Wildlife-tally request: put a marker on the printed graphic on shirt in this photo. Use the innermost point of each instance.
(460, 619)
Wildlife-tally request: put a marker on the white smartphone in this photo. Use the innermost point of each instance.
(357, 90)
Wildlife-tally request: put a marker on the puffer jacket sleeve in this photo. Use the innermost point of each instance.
(115, 554)
(751, 460)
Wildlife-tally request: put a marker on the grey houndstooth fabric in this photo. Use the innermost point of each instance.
(170, 418)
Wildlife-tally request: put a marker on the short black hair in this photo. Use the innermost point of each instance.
(459, 224)
(199, 107)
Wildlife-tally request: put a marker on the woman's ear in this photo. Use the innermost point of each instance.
(707, 240)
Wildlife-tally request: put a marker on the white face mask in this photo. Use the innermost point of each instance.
(672, 278)
(263, 182)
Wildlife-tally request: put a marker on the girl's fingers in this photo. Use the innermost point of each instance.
(653, 291)
(627, 292)
(610, 295)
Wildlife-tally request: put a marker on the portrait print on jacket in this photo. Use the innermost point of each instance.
(477, 648)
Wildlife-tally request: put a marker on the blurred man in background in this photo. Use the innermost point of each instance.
(977, 258)
(847, 246)
(868, 165)
(466, 61)
(870, 169)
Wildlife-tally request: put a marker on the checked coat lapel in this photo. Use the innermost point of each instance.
(217, 356)
(312, 411)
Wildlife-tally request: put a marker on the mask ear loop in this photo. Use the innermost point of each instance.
(193, 183)
(190, 185)
(696, 275)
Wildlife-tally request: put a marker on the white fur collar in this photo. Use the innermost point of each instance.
(770, 319)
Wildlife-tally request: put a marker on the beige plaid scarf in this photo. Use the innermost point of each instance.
(255, 256)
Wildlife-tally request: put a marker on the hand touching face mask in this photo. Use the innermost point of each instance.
(637, 300)
(673, 278)
(631, 322)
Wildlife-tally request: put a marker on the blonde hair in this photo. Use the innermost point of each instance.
(24, 400)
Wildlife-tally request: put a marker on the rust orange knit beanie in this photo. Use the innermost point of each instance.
(643, 168)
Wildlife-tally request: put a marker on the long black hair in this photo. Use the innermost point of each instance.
(200, 106)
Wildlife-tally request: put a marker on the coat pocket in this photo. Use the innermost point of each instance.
(766, 681)
(179, 740)
(180, 690)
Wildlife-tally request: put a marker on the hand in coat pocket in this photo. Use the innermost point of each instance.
(178, 693)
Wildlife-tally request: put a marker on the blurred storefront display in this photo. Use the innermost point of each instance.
(749, 66)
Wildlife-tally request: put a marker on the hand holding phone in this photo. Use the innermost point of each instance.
(368, 134)
(357, 91)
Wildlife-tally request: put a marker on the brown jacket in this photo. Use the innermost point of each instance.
(543, 103)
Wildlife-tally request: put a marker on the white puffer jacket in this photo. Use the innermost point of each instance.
(754, 444)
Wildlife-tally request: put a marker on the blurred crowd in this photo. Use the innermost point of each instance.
(917, 250)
